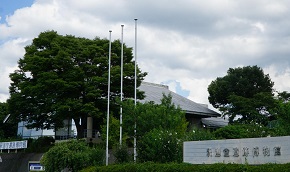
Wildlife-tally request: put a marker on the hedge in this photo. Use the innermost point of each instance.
(184, 167)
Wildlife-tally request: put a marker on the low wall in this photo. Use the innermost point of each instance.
(17, 162)
(240, 151)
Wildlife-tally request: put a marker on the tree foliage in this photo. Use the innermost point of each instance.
(244, 91)
(160, 129)
(239, 131)
(72, 155)
(282, 111)
(114, 132)
(63, 77)
(41, 144)
(161, 146)
(149, 116)
(122, 154)
(9, 128)
(198, 134)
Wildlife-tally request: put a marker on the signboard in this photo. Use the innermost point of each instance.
(239, 151)
(13, 145)
(35, 166)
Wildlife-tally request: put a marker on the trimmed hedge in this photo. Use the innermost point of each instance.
(184, 167)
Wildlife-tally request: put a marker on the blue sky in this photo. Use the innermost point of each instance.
(7, 7)
(183, 44)
(175, 86)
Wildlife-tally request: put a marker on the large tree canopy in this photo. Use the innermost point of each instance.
(244, 91)
(63, 77)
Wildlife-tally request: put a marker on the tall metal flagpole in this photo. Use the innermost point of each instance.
(108, 110)
(135, 92)
(121, 110)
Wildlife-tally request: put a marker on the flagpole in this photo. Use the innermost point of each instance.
(108, 110)
(135, 92)
(121, 110)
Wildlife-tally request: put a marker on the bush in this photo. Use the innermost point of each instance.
(73, 155)
(183, 167)
(238, 131)
(42, 144)
(97, 156)
(121, 154)
(160, 146)
(198, 134)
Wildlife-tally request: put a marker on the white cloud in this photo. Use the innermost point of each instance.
(280, 77)
(186, 42)
(10, 52)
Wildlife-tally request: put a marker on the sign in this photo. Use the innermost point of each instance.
(35, 166)
(13, 145)
(239, 151)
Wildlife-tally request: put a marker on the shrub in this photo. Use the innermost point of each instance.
(121, 154)
(42, 144)
(160, 146)
(73, 155)
(184, 167)
(238, 131)
(197, 134)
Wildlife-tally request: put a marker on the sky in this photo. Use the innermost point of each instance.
(183, 44)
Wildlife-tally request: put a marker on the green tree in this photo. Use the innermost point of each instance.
(246, 92)
(63, 77)
(9, 128)
(3, 113)
(160, 129)
(114, 132)
(283, 96)
(282, 112)
(149, 116)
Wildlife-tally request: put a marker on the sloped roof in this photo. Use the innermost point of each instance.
(215, 122)
(154, 92)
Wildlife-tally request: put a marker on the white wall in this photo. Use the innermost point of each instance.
(251, 151)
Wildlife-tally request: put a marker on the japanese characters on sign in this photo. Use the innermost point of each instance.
(245, 151)
(13, 145)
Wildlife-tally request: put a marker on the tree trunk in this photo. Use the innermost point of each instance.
(79, 128)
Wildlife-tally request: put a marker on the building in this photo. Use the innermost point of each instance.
(68, 131)
(198, 115)
(195, 112)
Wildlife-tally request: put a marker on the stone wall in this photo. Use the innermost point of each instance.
(240, 151)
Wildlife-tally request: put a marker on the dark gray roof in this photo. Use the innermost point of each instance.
(215, 122)
(154, 92)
